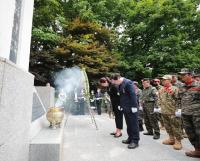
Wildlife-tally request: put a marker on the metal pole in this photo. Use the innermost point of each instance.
(87, 95)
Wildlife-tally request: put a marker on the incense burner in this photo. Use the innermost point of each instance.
(55, 116)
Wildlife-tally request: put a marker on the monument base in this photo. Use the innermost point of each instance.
(48, 144)
(16, 93)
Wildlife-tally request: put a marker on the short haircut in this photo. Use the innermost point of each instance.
(146, 80)
(115, 76)
(103, 80)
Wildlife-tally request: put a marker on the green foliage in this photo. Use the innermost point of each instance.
(164, 34)
(157, 37)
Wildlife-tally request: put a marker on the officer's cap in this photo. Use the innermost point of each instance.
(186, 71)
(168, 77)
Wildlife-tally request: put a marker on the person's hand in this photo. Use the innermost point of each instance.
(134, 109)
(140, 108)
(119, 108)
(178, 113)
(156, 110)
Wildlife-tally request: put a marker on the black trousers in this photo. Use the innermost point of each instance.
(118, 117)
(132, 127)
(98, 104)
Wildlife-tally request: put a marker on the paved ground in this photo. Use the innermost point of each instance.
(82, 142)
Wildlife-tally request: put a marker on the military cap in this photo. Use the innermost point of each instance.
(197, 75)
(169, 77)
(186, 71)
(173, 74)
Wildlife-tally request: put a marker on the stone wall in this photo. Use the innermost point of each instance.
(16, 92)
(47, 95)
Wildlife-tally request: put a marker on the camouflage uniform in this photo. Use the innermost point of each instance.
(140, 113)
(190, 105)
(167, 101)
(149, 101)
(179, 84)
(159, 117)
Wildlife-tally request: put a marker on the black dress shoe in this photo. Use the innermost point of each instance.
(117, 136)
(156, 136)
(132, 145)
(148, 133)
(127, 141)
(112, 133)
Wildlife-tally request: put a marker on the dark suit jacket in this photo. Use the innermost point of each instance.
(113, 91)
(128, 98)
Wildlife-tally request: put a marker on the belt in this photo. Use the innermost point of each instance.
(149, 101)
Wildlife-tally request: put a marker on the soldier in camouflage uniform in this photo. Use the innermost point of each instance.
(167, 100)
(138, 92)
(149, 102)
(156, 83)
(179, 84)
(176, 82)
(197, 77)
(190, 110)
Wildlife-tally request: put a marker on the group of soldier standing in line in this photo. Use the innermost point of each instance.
(175, 103)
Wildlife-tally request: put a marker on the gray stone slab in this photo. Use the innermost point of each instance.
(37, 107)
(15, 112)
(47, 145)
(47, 95)
(16, 148)
(43, 152)
(84, 143)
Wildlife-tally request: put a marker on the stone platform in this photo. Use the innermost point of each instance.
(47, 145)
(82, 142)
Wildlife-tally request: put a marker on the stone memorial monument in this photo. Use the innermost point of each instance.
(16, 83)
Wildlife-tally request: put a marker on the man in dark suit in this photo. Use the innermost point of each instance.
(128, 103)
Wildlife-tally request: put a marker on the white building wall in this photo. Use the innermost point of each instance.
(7, 8)
(23, 54)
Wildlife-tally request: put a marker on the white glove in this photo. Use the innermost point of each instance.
(140, 108)
(178, 113)
(156, 110)
(119, 108)
(134, 109)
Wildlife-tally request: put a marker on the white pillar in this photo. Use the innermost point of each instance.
(23, 54)
(23, 39)
(7, 9)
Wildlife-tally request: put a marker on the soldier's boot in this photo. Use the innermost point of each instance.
(194, 154)
(177, 145)
(169, 141)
